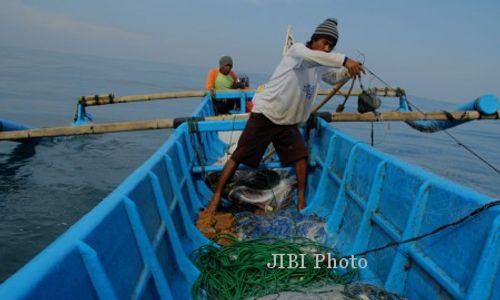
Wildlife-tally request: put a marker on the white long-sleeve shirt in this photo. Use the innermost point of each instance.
(290, 93)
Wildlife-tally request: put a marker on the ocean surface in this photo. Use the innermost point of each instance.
(45, 189)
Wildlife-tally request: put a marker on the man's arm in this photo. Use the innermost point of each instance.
(211, 76)
(333, 75)
(334, 60)
(318, 58)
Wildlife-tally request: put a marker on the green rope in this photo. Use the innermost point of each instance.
(240, 270)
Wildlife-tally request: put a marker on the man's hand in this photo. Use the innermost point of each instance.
(355, 68)
(212, 94)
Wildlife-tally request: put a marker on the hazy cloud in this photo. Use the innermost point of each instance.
(46, 26)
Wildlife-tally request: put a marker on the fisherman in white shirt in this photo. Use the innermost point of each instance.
(285, 103)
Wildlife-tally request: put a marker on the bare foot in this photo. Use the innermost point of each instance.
(301, 204)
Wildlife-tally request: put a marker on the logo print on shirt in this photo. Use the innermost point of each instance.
(308, 91)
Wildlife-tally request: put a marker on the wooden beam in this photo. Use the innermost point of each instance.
(172, 123)
(105, 99)
(96, 128)
(111, 99)
(410, 116)
(86, 129)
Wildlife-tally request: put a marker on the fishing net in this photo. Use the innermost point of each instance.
(357, 291)
(239, 269)
(242, 269)
(281, 223)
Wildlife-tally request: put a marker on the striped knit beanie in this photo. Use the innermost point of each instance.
(327, 30)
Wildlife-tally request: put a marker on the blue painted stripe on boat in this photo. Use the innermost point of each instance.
(144, 278)
(197, 205)
(437, 273)
(173, 205)
(183, 134)
(317, 202)
(100, 280)
(386, 226)
(425, 263)
(195, 236)
(146, 249)
(183, 137)
(195, 197)
(146, 272)
(365, 227)
(334, 177)
(451, 285)
(183, 262)
(330, 175)
(357, 198)
(225, 125)
(233, 94)
(396, 279)
(483, 282)
(335, 219)
(412, 170)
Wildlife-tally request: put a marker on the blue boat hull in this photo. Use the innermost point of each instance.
(136, 242)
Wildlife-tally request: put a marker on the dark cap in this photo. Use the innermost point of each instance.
(327, 30)
(225, 60)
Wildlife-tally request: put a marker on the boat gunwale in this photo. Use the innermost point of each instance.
(38, 267)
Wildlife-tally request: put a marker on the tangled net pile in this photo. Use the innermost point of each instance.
(281, 223)
(240, 270)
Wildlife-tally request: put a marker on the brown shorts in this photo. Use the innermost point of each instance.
(257, 135)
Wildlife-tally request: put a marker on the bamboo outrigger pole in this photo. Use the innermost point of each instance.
(174, 123)
(411, 116)
(109, 127)
(112, 99)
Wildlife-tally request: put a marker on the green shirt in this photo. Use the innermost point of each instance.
(223, 82)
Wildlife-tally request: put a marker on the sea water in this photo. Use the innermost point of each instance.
(45, 189)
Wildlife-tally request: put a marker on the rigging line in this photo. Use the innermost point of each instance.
(472, 152)
(385, 129)
(371, 135)
(340, 107)
(375, 75)
(196, 135)
(445, 131)
(474, 213)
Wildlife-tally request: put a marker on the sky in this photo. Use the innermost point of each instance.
(445, 50)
